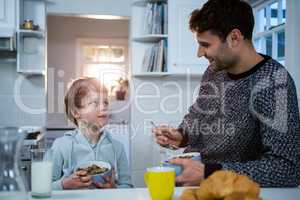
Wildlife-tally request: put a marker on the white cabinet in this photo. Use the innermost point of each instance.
(31, 53)
(7, 14)
(31, 42)
(182, 49)
(7, 24)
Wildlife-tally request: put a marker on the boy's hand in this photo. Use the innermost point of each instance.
(78, 179)
(110, 182)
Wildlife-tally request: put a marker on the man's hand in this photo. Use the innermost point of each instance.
(167, 137)
(192, 174)
(78, 179)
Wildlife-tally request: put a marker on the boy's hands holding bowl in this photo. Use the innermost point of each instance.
(167, 137)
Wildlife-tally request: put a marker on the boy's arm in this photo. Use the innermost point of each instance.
(57, 174)
(124, 176)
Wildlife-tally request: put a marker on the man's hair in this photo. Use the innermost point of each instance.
(79, 89)
(220, 17)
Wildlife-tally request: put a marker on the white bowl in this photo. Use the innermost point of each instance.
(178, 168)
(193, 155)
(97, 178)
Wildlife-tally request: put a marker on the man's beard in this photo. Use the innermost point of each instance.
(225, 64)
(217, 66)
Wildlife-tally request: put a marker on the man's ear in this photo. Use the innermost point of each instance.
(234, 38)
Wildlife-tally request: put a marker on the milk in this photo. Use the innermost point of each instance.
(41, 178)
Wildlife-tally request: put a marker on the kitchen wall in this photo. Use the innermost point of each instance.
(100, 7)
(163, 100)
(62, 35)
(23, 99)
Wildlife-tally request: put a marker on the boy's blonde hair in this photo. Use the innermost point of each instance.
(79, 89)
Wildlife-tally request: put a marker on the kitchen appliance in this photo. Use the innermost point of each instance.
(7, 40)
(34, 138)
(11, 184)
(7, 44)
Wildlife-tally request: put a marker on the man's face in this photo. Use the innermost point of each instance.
(218, 53)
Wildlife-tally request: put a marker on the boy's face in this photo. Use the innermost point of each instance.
(217, 52)
(94, 111)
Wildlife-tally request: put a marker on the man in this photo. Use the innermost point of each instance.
(246, 116)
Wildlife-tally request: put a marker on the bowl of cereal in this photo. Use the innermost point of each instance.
(178, 168)
(98, 170)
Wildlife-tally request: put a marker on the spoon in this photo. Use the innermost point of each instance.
(169, 146)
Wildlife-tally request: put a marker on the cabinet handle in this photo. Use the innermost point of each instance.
(11, 44)
(24, 168)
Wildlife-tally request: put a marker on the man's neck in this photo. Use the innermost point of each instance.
(247, 60)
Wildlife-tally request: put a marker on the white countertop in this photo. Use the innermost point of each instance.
(142, 194)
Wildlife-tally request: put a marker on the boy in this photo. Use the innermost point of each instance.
(86, 105)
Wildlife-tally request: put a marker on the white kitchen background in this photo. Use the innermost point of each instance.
(64, 31)
(64, 65)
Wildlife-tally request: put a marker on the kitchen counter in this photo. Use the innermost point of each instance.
(142, 194)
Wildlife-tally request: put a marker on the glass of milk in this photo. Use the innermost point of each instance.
(41, 173)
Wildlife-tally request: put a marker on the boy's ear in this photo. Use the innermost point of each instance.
(75, 114)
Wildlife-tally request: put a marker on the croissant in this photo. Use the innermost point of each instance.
(226, 185)
(189, 194)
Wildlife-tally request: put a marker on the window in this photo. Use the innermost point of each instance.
(105, 59)
(269, 31)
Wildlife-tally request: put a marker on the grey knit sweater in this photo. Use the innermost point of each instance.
(248, 123)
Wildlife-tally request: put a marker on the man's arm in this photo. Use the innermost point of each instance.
(280, 135)
(276, 108)
(191, 119)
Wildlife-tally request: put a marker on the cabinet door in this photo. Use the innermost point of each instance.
(182, 44)
(7, 14)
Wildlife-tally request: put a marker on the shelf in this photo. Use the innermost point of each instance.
(31, 54)
(32, 72)
(32, 33)
(165, 74)
(8, 56)
(144, 3)
(157, 1)
(151, 74)
(150, 38)
(7, 60)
